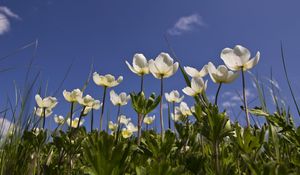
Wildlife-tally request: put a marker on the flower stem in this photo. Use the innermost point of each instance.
(44, 117)
(102, 110)
(142, 82)
(161, 108)
(245, 99)
(119, 119)
(139, 129)
(71, 114)
(217, 94)
(92, 120)
(174, 115)
(169, 116)
(217, 161)
(80, 117)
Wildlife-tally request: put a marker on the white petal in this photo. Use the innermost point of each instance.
(231, 60)
(139, 62)
(231, 76)
(114, 98)
(191, 71)
(39, 100)
(242, 52)
(131, 68)
(97, 79)
(197, 84)
(251, 63)
(189, 91)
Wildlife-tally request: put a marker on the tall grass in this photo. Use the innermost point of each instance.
(205, 143)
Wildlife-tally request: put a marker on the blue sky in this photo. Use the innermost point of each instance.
(107, 33)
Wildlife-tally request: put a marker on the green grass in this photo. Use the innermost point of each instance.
(205, 143)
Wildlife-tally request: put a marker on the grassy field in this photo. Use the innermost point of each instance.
(204, 140)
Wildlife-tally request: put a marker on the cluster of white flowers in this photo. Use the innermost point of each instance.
(235, 59)
(163, 66)
(45, 105)
(128, 127)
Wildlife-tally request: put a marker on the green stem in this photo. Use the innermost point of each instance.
(142, 82)
(174, 115)
(217, 94)
(92, 120)
(44, 118)
(71, 115)
(217, 161)
(80, 117)
(245, 99)
(140, 117)
(119, 119)
(161, 108)
(102, 110)
(169, 116)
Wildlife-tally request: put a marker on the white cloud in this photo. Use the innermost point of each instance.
(239, 97)
(5, 126)
(5, 15)
(232, 99)
(227, 104)
(186, 23)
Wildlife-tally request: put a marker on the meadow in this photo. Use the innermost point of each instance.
(203, 141)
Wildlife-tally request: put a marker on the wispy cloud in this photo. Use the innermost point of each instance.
(5, 15)
(228, 104)
(233, 99)
(186, 23)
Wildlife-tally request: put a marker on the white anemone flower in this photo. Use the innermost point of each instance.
(197, 87)
(107, 80)
(129, 130)
(238, 58)
(195, 73)
(47, 102)
(221, 74)
(123, 119)
(130, 126)
(73, 95)
(126, 133)
(140, 65)
(40, 111)
(149, 120)
(74, 123)
(112, 126)
(174, 96)
(87, 101)
(182, 111)
(163, 66)
(119, 100)
(95, 106)
(59, 119)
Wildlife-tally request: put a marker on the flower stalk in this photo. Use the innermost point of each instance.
(161, 108)
(80, 117)
(217, 94)
(142, 82)
(119, 119)
(102, 110)
(245, 99)
(44, 117)
(71, 113)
